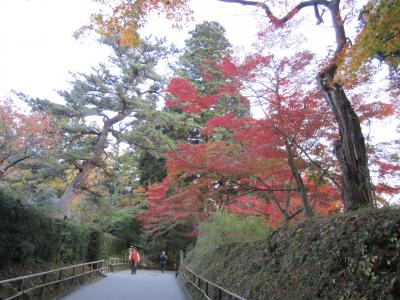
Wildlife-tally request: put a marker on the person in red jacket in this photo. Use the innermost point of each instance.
(134, 259)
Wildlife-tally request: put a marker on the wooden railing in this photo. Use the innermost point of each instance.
(38, 283)
(116, 263)
(211, 291)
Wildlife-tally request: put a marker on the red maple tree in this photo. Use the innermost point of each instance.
(23, 136)
(248, 165)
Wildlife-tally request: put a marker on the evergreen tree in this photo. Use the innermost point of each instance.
(204, 51)
(206, 47)
(148, 165)
(120, 97)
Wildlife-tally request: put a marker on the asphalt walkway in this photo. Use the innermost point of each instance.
(144, 285)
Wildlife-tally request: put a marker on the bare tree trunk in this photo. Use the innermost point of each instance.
(350, 149)
(301, 189)
(89, 165)
(74, 186)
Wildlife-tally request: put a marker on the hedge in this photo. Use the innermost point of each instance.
(28, 236)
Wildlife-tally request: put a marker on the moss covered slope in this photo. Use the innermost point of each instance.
(353, 256)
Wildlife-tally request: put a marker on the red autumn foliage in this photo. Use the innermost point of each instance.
(252, 160)
(23, 136)
(247, 171)
(185, 97)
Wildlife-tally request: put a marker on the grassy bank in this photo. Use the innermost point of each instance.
(353, 256)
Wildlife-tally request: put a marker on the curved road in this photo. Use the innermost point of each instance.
(144, 285)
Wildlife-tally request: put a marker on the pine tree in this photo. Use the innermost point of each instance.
(119, 97)
(206, 48)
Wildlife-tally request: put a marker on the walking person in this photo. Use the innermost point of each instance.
(163, 261)
(134, 259)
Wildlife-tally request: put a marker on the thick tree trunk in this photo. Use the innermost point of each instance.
(89, 165)
(69, 192)
(301, 189)
(350, 149)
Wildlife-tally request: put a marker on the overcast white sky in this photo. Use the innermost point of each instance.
(37, 45)
(38, 50)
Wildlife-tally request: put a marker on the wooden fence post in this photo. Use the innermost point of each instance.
(43, 287)
(73, 275)
(21, 288)
(219, 294)
(22, 285)
(58, 283)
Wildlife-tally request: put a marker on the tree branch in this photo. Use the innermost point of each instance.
(17, 161)
(295, 214)
(317, 14)
(289, 15)
(304, 151)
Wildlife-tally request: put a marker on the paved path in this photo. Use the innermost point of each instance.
(145, 285)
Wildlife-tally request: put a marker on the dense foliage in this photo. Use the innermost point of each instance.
(224, 229)
(379, 38)
(120, 96)
(29, 238)
(350, 175)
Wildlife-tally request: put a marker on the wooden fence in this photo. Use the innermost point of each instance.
(210, 290)
(116, 263)
(37, 284)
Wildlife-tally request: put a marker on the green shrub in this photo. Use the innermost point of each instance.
(112, 245)
(94, 246)
(121, 224)
(28, 237)
(227, 228)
